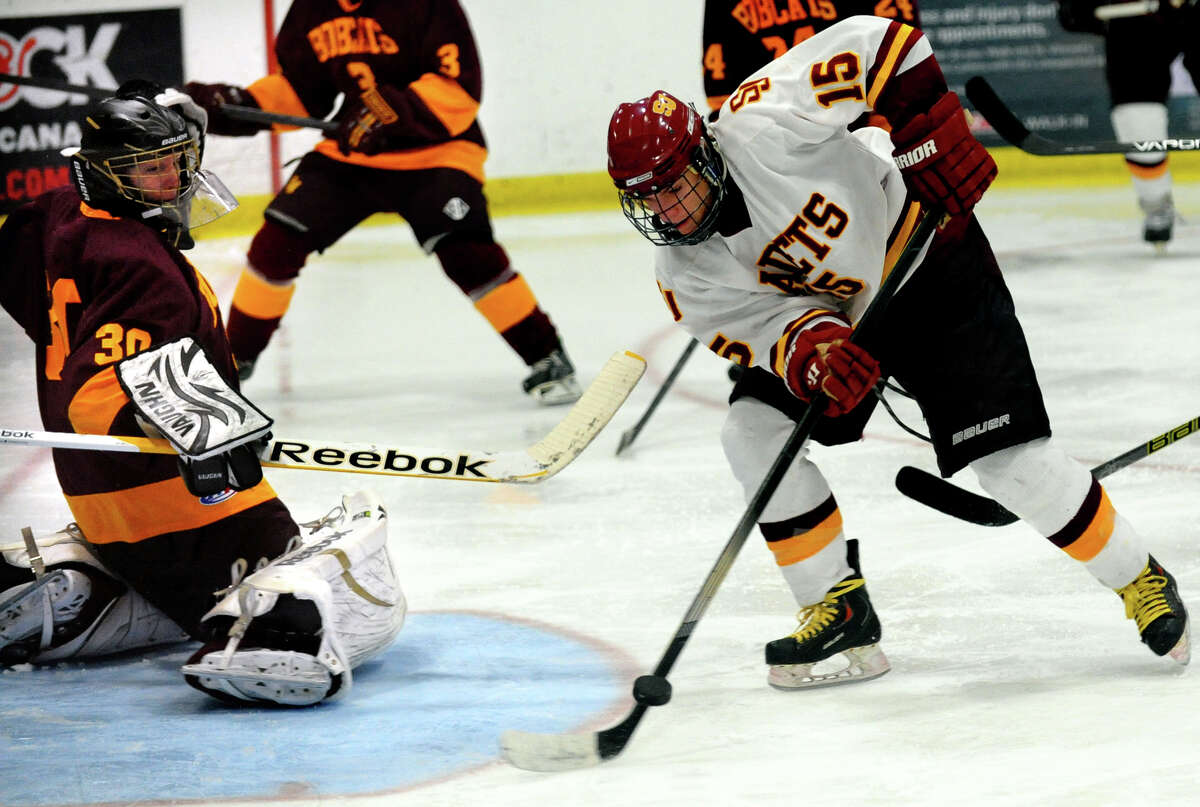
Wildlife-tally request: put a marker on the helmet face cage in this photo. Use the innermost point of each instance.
(136, 176)
(700, 201)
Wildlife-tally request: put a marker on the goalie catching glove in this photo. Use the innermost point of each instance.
(942, 162)
(176, 389)
(823, 359)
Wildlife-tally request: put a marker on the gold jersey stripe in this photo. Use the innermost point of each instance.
(465, 156)
(909, 223)
(137, 513)
(448, 101)
(890, 63)
(274, 93)
(95, 404)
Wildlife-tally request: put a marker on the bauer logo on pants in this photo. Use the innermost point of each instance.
(979, 428)
(383, 460)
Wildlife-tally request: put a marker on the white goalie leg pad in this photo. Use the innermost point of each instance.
(73, 612)
(341, 565)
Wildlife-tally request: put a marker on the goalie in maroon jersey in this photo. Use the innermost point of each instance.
(409, 143)
(129, 340)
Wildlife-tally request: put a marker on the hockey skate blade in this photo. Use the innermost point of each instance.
(550, 752)
(1181, 653)
(861, 664)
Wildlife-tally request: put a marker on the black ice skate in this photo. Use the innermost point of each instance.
(551, 381)
(836, 641)
(1153, 603)
(1159, 222)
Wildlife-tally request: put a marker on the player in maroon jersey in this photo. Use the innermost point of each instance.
(94, 275)
(741, 36)
(409, 143)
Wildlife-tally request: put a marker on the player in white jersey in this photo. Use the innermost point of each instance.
(779, 221)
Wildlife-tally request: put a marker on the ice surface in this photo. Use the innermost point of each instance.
(1015, 680)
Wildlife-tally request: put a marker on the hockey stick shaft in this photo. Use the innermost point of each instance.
(243, 113)
(988, 104)
(630, 434)
(1116, 11)
(948, 498)
(567, 440)
(542, 752)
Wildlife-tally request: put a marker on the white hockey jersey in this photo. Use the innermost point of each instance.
(822, 200)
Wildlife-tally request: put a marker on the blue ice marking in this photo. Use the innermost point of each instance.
(129, 729)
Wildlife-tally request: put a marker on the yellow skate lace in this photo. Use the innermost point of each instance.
(814, 618)
(1144, 600)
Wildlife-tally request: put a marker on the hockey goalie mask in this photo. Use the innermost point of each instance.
(141, 158)
(668, 169)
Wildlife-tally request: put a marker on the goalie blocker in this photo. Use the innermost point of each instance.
(177, 391)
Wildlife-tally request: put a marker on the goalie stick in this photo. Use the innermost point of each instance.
(245, 113)
(559, 752)
(540, 461)
(988, 104)
(946, 497)
(630, 434)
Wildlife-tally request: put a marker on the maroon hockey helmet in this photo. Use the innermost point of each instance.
(660, 151)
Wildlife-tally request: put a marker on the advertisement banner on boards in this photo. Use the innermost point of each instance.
(1052, 79)
(99, 50)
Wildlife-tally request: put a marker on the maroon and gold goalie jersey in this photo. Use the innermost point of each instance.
(422, 48)
(740, 36)
(90, 289)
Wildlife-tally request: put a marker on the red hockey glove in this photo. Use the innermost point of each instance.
(211, 97)
(942, 162)
(823, 359)
(370, 121)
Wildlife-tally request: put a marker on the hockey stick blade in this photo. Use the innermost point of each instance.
(630, 434)
(988, 104)
(946, 497)
(245, 113)
(545, 458)
(549, 753)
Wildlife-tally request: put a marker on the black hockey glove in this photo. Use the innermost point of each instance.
(236, 469)
(211, 97)
(372, 120)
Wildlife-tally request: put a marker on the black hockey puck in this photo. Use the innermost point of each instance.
(652, 690)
